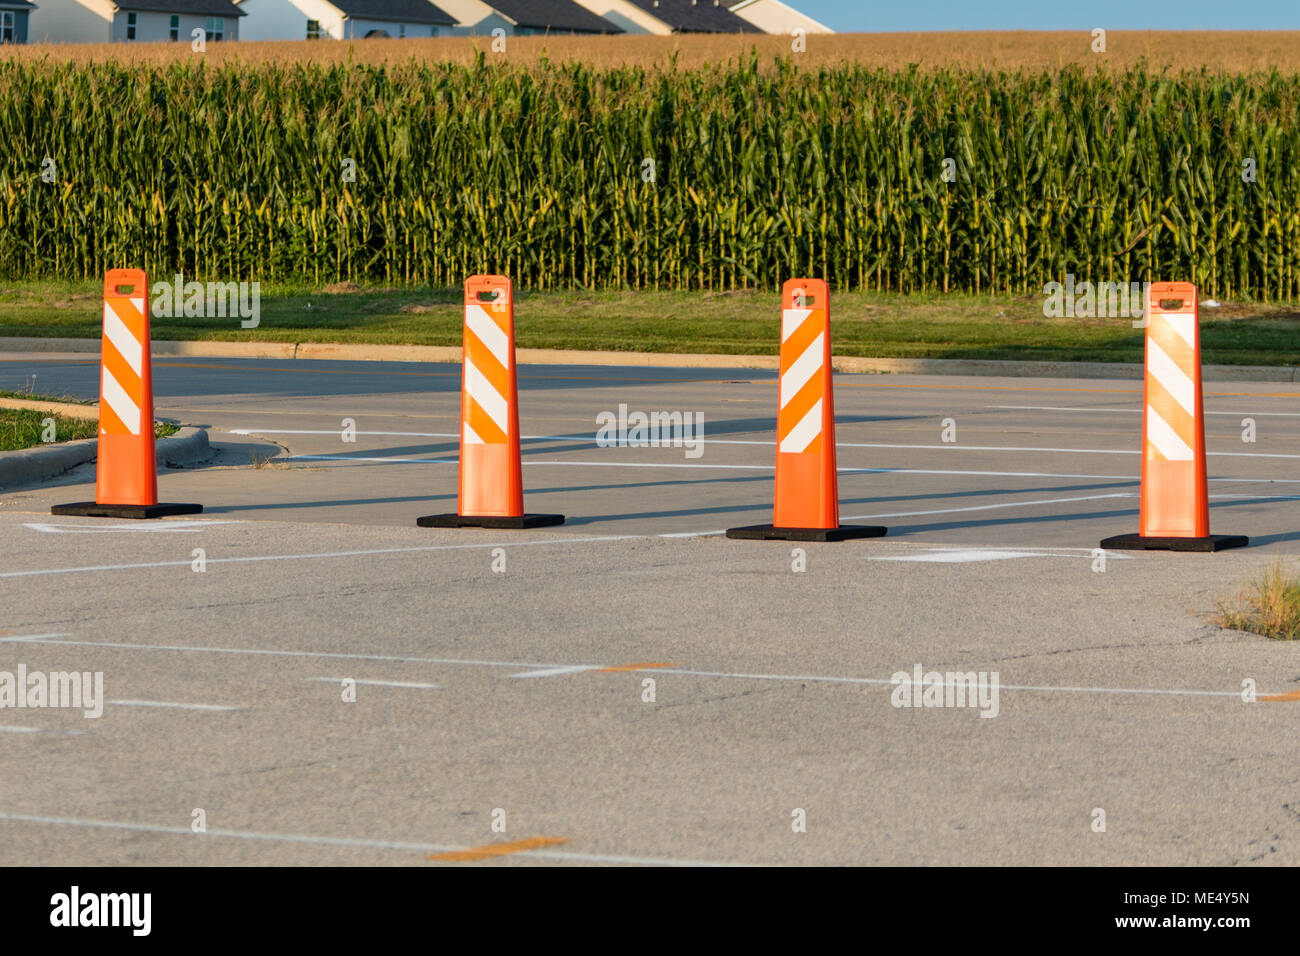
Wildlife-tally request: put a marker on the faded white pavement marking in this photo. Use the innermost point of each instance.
(649, 670)
(308, 557)
(381, 460)
(265, 652)
(372, 683)
(42, 730)
(1135, 411)
(166, 526)
(169, 706)
(1003, 504)
(557, 671)
(961, 557)
(356, 842)
(710, 441)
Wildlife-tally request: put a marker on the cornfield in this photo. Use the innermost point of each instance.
(566, 176)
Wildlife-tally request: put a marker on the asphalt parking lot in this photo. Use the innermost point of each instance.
(502, 676)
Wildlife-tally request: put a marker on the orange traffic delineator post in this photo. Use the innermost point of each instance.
(807, 501)
(491, 491)
(126, 480)
(1174, 514)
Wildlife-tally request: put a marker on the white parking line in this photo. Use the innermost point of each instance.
(265, 652)
(340, 841)
(720, 441)
(380, 460)
(308, 557)
(42, 730)
(1138, 411)
(556, 671)
(962, 557)
(997, 506)
(1004, 504)
(372, 683)
(649, 670)
(170, 706)
(165, 526)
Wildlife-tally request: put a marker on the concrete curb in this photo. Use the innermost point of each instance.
(187, 447)
(844, 364)
(33, 465)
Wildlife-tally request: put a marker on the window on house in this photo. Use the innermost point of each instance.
(433, 31)
(130, 26)
(401, 31)
(313, 29)
(174, 28)
(6, 26)
(215, 27)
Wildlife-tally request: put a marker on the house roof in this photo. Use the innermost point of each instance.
(212, 8)
(704, 16)
(399, 11)
(16, 5)
(560, 16)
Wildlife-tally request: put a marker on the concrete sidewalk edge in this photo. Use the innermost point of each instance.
(33, 465)
(844, 364)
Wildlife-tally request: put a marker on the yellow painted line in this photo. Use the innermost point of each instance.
(1293, 695)
(490, 850)
(644, 665)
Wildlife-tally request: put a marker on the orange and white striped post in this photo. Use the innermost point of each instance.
(1174, 509)
(126, 484)
(806, 498)
(491, 486)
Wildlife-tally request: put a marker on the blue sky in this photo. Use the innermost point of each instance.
(888, 15)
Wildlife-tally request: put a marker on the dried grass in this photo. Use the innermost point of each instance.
(1229, 51)
(1270, 607)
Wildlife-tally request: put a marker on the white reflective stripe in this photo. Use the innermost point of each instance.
(804, 368)
(120, 336)
(121, 403)
(791, 319)
(1184, 325)
(470, 437)
(488, 332)
(1176, 382)
(488, 398)
(801, 435)
(1166, 440)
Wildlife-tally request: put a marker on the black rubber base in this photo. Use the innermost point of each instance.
(516, 523)
(767, 532)
(91, 509)
(1212, 542)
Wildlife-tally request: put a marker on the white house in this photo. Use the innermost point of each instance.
(773, 16)
(527, 17)
(627, 16)
(133, 21)
(343, 19)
